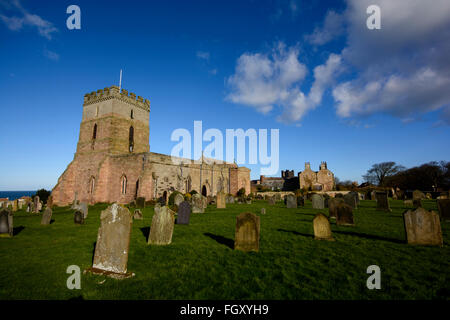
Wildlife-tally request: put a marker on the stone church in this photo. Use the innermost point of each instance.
(113, 162)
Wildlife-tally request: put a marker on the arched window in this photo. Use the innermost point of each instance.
(94, 133)
(204, 192)
(131, 139)
(124, 185)
(92, 185)
(131, 115)
(137, 189)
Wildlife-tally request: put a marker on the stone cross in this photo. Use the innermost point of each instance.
(247, 232)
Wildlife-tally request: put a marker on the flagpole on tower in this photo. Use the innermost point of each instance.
(120, 80)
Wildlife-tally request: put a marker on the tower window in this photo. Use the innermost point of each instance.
(131, 115)
(94, 133)
(131, 139)
(124, 185)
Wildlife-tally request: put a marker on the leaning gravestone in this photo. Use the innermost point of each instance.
(78, 217)
(271, 201)
(322, 228)
(444, 209)
(161, 230)
(6, 223)
(140, 202)
(178, 199)
(138, 215)
(247, 232)
(197, 203)
(113, 242)
(291, 201)
(317, 201)
(300, 201)
(332, 206)
(344, 215)
(46, 216)
(423, 227)
(350, 199)
(221, 201)
(184, 213)
(383, 201)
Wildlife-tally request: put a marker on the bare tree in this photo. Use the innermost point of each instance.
(380, 171)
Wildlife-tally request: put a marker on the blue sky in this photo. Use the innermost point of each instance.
(337, 91)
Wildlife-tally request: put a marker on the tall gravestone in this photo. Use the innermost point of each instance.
(247, 232)
(197, 203)
(291, 201)
(113, 242)
(344, 215)
(36, 203)
(322, 228)
(332, 206)
(422, 227)
(444, 209)
(221, 201)
(317, 201)
(383, 201)
(350, 199)
(6, 223)
(78, 217)
(161, 230)
(271, 201)
(46, 216)
(184, 213)
(300, 201)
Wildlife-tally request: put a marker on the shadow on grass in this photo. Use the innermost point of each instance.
(93, 251)
(297, 233)
(52, 221)
(220, 239)
(17, 230)
(146, 232)
(370, 236)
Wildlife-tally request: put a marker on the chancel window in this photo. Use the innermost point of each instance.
(124, 185)
(94, 133)
(131, 139)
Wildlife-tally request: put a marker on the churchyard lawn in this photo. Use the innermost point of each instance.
(200, 263)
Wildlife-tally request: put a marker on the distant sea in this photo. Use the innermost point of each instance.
(13, 195)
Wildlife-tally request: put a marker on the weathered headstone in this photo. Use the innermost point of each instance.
(113, 241)
(138, 215)
(317, 201)
(247, 232)
(197, 203)
(291, 201)
(161, 230)
(332, 206)
(46, 216)
(300, 201)
(140, 202)
(344, 215)
(382, 201)
(36, 203)
(271, 201)
(15, 205)
(221, 201)
(184, 213)
(263, 211)
(322, 228)
(350, 199)
(229, 199)
(444, 209)
(78, 217)
(50, 202)
(423, 227)
(6, 223)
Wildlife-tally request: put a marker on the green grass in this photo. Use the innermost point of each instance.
(201, 264)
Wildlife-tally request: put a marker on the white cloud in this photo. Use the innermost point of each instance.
(263, 81)
(203, 55)
(51, 55)
(332, 28)
(17, 23)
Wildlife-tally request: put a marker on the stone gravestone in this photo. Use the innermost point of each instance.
(6, 223)
(47, 216)
(350, 199)
(178, 199)
(300, 201)
(140, 202)
(113, 242)
(344, 215)
(29, 209)
(15, 205)
(138, 215)
(423, 227)
(382, 201)
(184, 213)
(197, 203)
(204, 202)
(263, 211)
(162, 227)
(322, 228)
(317, 201)
(230, 199)
(221, 202)
(271, 201)
(444, 209)
(332, 206)
(50, 202)
(291, 201)
(78, 217)
(36, 203)
(247, 232)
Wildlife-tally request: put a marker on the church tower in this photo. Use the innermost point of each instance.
(114, 122)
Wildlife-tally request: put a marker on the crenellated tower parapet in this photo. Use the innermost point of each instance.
(113, 92)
